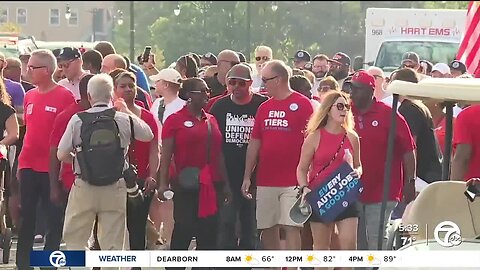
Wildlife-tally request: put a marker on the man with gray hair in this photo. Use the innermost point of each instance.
(41, 106)
(99, 188)
(226, 60)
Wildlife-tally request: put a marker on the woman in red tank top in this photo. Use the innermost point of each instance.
(331, 141)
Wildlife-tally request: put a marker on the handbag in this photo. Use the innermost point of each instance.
(328, 164)
(301, 211)
(189, 177)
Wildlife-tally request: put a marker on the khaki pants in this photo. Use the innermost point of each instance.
(84, 203)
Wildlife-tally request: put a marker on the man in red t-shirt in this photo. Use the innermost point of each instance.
(372, 123)
(276, 140)
(466, 162)
(61, 174)
(41, 106)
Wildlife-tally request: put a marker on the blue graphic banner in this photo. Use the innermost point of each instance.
(57, 258)
(333, 196)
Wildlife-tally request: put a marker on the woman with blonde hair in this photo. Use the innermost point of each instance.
(330, 141)
(326, 84)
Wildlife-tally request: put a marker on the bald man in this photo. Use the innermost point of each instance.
(113, 61)
(281, 120)
(13, 72)
(226, 60)
(240, 108)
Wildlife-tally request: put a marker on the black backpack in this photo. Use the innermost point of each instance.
(100, 155)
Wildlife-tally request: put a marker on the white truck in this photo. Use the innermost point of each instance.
(435, 34)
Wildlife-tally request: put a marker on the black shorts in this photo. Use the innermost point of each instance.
(353, 210)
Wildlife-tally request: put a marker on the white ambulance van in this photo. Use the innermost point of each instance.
(435, 34)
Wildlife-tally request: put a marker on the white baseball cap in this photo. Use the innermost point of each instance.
(375, 71)
(168, 75)
(442, 68)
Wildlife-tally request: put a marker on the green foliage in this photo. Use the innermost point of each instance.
(211, 26)
(10, 27)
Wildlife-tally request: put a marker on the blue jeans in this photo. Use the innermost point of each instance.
(242, 211)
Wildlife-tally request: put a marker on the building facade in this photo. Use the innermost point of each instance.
(61, 21)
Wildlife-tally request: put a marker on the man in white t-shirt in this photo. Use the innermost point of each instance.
(69, 60)
(167, 85)
(262, 55)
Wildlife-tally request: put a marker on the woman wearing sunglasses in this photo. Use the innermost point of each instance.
(326, 84)
(192, 137)
(331, 141)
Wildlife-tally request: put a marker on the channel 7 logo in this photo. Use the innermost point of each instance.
(451, 234)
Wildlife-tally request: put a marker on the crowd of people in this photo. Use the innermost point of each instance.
(216, 150)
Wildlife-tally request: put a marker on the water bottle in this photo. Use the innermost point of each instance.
(168, 194)
(348, 157)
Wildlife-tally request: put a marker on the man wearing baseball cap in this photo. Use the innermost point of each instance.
(340, 67)
(208, 59)
(372, 122)
(167, 86)
(440, 70)
(457, 68)
(301, 59)
(235, 115)
(411, 60)
(69, 61)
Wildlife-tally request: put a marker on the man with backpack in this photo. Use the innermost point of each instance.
(97, 141)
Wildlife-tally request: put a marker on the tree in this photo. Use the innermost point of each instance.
(10, 27)
(208, 26)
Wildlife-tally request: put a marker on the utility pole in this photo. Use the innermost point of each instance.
(249, 49)
(132, 31)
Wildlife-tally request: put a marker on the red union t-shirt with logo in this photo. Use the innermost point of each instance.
(280, 126)
(40, 111)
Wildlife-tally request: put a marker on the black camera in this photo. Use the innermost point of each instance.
(130, 175)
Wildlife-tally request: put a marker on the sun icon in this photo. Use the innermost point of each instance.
(251, 260)
(312, 259)
(372, 260)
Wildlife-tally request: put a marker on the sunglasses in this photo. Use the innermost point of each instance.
(265, 58)
(65, 65)
(342, 106)
(237, 82)
(408, 66)
(265, 80)
(324, 88)
(201, 91)
(34, 67)
(232, 63)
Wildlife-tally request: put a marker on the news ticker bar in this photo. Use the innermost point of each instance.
(257, 258)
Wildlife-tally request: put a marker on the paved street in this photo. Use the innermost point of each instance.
(13, 250)
(11, 264)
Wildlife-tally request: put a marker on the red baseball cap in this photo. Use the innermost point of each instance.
(361, 79)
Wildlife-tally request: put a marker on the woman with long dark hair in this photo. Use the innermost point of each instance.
(8, 123)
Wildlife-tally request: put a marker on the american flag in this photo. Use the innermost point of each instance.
(469, 51)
